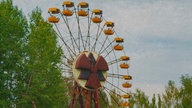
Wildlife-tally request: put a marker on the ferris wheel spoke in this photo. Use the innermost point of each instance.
(125, 77)
(113, 61)
(74, 43)
(67, 58)
(115, 76)
(67, 71)
(67, 65)
(108, 53)
(103, 44)
(97, 37)
(112, 91)
(87, 42)
(66, 45)
(116, 87)
(111, 95)
(80, 35)
(107, 47)
(71, 53)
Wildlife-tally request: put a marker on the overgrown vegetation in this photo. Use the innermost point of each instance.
(173, 97)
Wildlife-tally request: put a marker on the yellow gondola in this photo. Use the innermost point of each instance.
(96, 20)
(127, 77)
(83, 5)
(118, 47)
(66, 8)
(53, 11)
(82, 9)
(68, 4)
(124, 58)
(53, 19)
(124, 104)
(119, 40)
(126, 85)
(124, 66)
(67, 12)
(82, 13)
(97, 16)
(97, 11)
(109, 30)
(126, 96)
(109, 24)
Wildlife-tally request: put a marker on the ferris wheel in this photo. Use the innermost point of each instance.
(94, 58)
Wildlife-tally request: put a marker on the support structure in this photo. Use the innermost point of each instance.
(86, 98)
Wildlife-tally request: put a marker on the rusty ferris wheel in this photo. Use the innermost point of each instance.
(94, 57)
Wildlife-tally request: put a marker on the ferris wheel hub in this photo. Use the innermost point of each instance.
(90, 70)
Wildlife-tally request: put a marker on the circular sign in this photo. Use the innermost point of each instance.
(90, 70)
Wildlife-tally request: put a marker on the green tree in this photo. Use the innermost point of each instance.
(171, 98)
(186, 91)
(115, 99)
(30, 59)
(14, 30)
(153, 102)
(178, 97)
(139, 100)
(159, 104)
(45, 86)
(103, 100)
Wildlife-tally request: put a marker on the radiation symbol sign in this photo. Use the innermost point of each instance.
(90, 70)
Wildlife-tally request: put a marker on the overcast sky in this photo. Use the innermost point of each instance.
(158, 36)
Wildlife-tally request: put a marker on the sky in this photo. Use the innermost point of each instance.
(158, 35)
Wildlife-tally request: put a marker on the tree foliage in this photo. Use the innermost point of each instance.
(103, 100)
(29, 61)
(115, 99)
(139, 100)
(178, 97)
(13, 36)
(186, 91)
(173, 97)
(45, 84)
